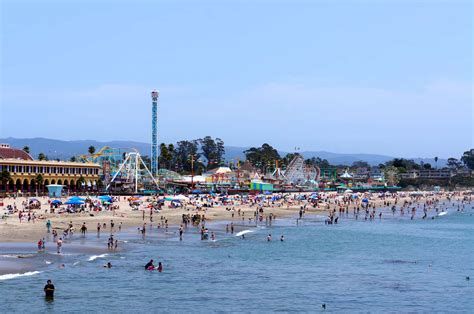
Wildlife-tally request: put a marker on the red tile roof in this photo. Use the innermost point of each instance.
(13, 153)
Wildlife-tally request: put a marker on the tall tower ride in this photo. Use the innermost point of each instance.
(154, 132)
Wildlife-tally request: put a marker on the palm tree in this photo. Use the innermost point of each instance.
(91, 150)
(26, 149)
(5, 177)
(436, 162)
(41, 156)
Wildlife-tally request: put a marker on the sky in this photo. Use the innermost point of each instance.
(387, 77)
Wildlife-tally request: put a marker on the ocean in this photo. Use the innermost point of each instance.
(391, 265)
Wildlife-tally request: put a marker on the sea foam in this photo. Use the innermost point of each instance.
(94, 257)
(12, 276)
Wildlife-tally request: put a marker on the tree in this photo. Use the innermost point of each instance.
(147, 162)
(427, 166)
(172, 157)
(317, 162)
(213, 151)
(454, 164)
(220, 150)
(91, 150)
(26, 149)
(39, 180)
(73, 159)
(5, 177)
(164, 157)
(436, 162)
(391, 175)
(42, 156)
(100, 185)
(468, 158)
(403, 164)
(184, 151)
(262, 158)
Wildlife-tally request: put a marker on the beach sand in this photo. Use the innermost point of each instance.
(12, 230)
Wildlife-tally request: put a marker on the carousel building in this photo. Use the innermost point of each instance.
(27, 175)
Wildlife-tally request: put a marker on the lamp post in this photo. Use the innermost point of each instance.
(192, 173)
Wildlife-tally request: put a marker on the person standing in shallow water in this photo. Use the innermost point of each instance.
(49, 290)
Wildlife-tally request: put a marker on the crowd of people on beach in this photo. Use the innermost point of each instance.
(244, 212)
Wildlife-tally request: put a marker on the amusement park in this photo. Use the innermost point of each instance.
(123, 170)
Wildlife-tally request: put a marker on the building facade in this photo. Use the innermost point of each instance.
(28, 176)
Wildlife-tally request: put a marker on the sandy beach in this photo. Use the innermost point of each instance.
(12, 230)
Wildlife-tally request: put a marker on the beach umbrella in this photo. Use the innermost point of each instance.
(196, 192)
(181, 197)
(76, 198)
(76, 202)
(54, 202)
(105, 197)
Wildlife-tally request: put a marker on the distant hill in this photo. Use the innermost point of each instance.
(64, 150)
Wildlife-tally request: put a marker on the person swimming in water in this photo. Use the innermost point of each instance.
(282, 238)
(149, 265)
(160, 267)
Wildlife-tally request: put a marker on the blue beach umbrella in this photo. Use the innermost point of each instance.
(74, 202)
(105, 198)
(76, 198)
(54, 202)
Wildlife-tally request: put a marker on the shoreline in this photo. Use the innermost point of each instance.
(18, 240)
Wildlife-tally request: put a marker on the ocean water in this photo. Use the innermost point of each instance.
(390, 265)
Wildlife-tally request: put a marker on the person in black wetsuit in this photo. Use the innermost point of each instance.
(49, 290)
(150, 263)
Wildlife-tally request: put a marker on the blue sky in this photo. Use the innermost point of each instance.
(388, 77)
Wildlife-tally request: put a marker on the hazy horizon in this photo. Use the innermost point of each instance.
(392, 78)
